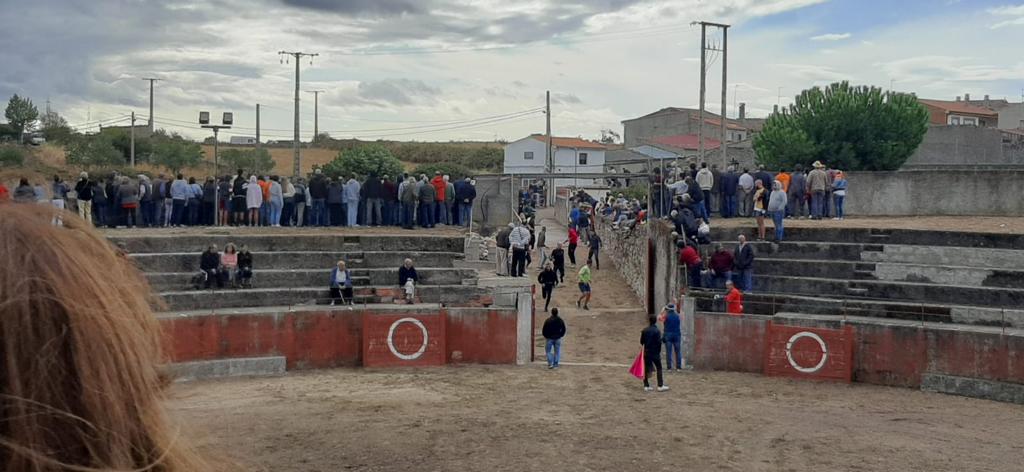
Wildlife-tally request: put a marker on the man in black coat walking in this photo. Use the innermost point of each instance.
(554, 331)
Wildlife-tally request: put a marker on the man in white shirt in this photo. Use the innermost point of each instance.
(706, 180)
(745, 193)
(519, 240)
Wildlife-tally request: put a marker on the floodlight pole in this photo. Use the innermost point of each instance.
(216, 167)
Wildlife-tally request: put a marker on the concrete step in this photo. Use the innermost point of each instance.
(286, 278)
(809, 250)
(897, 272)
(186, 300)
(222, 368)
(283, 241)
(864, 275)
(983, 258)
(189, 262)
(943, 238)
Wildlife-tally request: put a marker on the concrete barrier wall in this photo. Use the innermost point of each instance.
(325, 338)
(886, 352)
(934, 192)
(629, 250)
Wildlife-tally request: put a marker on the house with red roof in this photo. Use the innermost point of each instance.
(959, 112)
(570, 156)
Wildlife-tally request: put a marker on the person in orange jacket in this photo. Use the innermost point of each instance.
(440, 186)
(733, 299)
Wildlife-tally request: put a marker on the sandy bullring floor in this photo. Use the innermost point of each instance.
(592, 417)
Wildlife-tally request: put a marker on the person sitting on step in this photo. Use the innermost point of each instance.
(407, 279)
(244, 275)
(341, 285)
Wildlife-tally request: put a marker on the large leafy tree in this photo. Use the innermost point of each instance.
(55, 128)
(252, 161)
(174, 152)
(363, 160)
(92, 152)
(21, 114)
(847, 127)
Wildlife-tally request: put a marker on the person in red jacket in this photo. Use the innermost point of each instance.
(439, 191)
(733, 299)
(720, 264)
(574, 240)
(691, 258)
(5, 194)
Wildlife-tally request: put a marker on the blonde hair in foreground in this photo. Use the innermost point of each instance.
(81, 384)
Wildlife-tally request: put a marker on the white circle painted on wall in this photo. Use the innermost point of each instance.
(423, 347)
(789, 352)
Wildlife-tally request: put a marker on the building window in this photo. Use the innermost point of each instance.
(583, 158)
(954, 120)
(528, 155)
(970, 121)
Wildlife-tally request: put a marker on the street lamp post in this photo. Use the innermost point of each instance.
(226, 121)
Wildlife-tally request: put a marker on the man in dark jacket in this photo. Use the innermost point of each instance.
(465, 193)
(318, 195)
(650, 339)
(408, 197)
(389, 191)
(554, 331)
(209, 263)
(796, 193)
(374, 200)
(407, 280)
(743, 265)
(84, 190)
(428, 205)
(335, 203)
(502, 245)
(673, 338)
(727, 192)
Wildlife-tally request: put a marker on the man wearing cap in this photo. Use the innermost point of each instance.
(672, 337)
(817, 180)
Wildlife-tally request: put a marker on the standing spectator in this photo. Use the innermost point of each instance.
(766, 179)
(264, 184)
(449, 201)
(745, 193)
(301, 201)
(335, 203)
(583, 223)
(318, 195)
(341, 285)
(690, 257)
(408, 196)
(84, 191)
(352, 190)
(673, 338)
(160, 200)
(24, 193)
(650, 339)
(553, 331)
(147, 206)
(733, 299)
(716, 189)
(209, 207)
(224, 199)
(389, 190)
(253, 200)
(440, 186)
(229, 265)
(830, 175)
(594, 254)
(465, 194)
(239, 198)
(585, 277)
(759, 208)
(574, 214)
(796, 192)
(195, 197)
(784, 178)
(59, 193)
(245, 264)
(407, 280)
(817, 181)
(558, 258)
(114, 210)
(540, 243)
(574, 239)
(547, 279)
(374, 190)
(777, 208)
(839, 194)
(129, 196)
(720, 266)
(727, 191)
(276, 193)
(519, 241)
(743, 265)
(706, 181)
(209, 264)
(40, 195)
(428, 203)
(696, 196)
(502, 246)
(288, 198)
(99, 203)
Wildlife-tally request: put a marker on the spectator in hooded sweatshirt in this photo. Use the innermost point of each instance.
(553, 331)
(209, 208)
(352, 191)
(253, 200)
(440, 186)
(650, 339)
(673, 338)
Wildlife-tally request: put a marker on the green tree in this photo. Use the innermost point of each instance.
(92, 152)
(11, 156)
(175, 153)
(252, 161)
(55, 128)
(362, 161)
(455, 171)
(21, 114)
(121, 139)
(847, 127)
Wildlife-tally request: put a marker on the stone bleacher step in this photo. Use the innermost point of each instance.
(864, 275)
(874, 248)
(856, 291)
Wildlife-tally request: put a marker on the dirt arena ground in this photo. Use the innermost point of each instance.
(591, 417)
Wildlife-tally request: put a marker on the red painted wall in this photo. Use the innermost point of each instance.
(330, 338)
(884, 353)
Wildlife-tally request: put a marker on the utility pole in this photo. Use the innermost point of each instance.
(258, 128)
(297, 166)
(316, 112)
(131, 132)
(548, 159)
(725, 71)
(151, 80)
(226, 122)
(703, 86)
(703, 83)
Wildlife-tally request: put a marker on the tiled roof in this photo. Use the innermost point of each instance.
(572, 143)
(959, 107)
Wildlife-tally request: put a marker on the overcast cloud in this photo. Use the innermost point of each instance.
(388, 62)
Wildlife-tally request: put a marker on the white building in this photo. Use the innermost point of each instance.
(571, 156)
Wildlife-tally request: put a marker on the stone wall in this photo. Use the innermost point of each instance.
(629, 250)
(933, 192)
(965, 146)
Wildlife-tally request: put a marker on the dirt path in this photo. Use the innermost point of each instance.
(589, 418)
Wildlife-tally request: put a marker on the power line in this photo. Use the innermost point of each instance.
(298, 55)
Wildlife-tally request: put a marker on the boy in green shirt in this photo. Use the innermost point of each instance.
(585, 277)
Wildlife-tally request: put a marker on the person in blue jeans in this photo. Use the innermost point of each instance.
(743, 265)
(554, 331)
(673, 337)
(777, 208)
(839, 194)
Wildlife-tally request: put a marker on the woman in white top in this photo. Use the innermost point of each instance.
(253, 200)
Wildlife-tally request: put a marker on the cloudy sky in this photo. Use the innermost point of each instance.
(478, 69)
